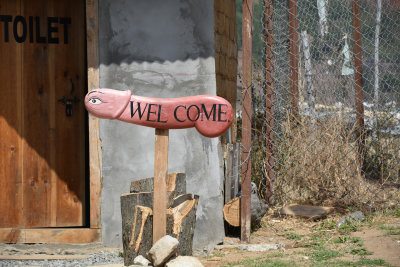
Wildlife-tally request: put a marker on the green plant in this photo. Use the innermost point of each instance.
(294, 236)
(218, 254)
(360, 251)
(321, 253)
(391, 212)
(262, 262)
(346, 239)
(349, 227)
(327, 225)
(391, 230)
(362, 262)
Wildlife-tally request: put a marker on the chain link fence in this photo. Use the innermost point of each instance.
(326, 102)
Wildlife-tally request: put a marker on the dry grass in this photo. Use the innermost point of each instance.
(319, 164)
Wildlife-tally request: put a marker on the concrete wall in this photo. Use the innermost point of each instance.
(159, 49)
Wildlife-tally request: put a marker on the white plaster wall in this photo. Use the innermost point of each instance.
(159, 49)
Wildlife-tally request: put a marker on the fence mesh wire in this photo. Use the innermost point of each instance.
(307, 143)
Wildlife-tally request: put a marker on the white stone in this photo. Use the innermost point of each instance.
(142, 261)
(184, 261)
(162, 250)
(261, 247)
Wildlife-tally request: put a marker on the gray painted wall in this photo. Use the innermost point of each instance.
(159, 49)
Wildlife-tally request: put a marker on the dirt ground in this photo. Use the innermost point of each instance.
(374, 242)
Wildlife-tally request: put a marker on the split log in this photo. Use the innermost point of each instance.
(137, 241)
(181, 221)
(232, 211)
(137, 223)
(175, 182)
(131, 200)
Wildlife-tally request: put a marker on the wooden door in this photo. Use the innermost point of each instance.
(42, 141)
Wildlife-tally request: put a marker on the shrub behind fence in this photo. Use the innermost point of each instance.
(315, 137)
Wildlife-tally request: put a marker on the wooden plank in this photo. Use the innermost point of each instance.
(70, 81)
(246, 120)
(92, 33)
(357, 58)
(11, 127)
(43, 257)
(36, 102)
(160, 186)
(294, 56)
(236, 168)
(269, 100)
(50, 235)
(52, 121)
(228, 158)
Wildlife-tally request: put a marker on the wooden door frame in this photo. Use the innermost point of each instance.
(93, 233)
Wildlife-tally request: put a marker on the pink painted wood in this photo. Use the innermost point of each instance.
(211, 115)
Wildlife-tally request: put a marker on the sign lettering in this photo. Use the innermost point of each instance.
(23, 28)
(210, 115)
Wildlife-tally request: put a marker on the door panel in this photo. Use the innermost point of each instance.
(52, 71)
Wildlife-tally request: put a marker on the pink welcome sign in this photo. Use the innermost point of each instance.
(210, 115)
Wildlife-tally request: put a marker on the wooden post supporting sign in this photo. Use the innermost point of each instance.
(160, 186)
(210, 115)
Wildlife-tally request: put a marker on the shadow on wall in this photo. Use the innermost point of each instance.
(155, 31)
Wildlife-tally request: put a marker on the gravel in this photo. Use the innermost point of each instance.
(100, 258)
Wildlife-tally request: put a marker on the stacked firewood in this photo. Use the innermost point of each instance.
(137, 216)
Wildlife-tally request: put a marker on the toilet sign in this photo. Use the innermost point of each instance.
(210, 115)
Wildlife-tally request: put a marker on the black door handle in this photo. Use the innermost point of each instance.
(68, 104)
(68, 101)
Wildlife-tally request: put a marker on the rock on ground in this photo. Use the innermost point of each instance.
(142, 261)
(261, 247)
(356, 216)
(162, 250)
(258, 210)
(184, 261)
